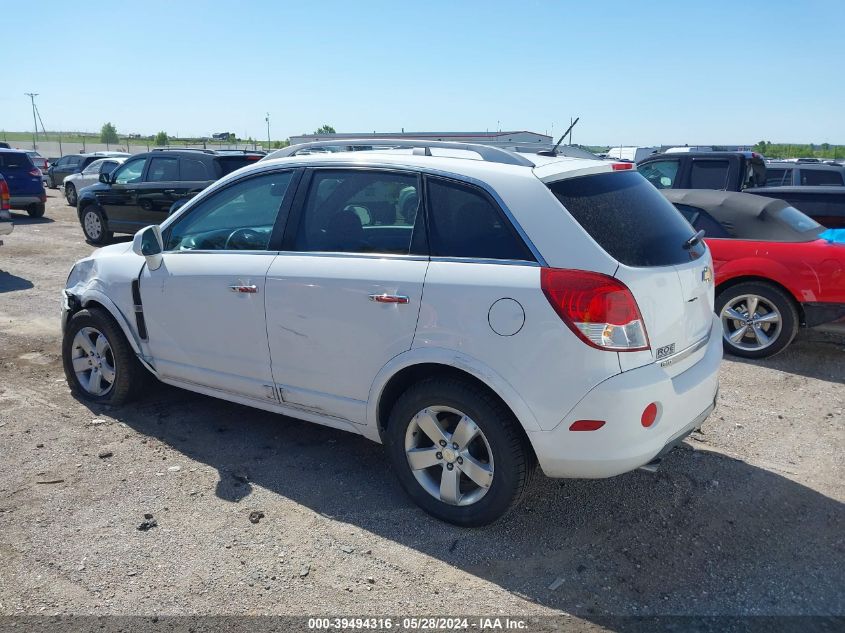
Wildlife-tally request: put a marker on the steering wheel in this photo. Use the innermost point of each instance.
(243, 239)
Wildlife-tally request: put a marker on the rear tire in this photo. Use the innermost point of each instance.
(498, 455)
(94, 225)
(36, 210)
(767, 329)
(70, 194)
(99, 364)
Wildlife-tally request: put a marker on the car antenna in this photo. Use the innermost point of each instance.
(553, 151)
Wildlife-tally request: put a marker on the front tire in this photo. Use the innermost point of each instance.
(758, 319)
(99, 364)
(70, 194)
(94, 225)
(458, 451)
(37, 210)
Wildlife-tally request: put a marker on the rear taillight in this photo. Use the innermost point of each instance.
(35, 172)
(5, 199)
(599, 309)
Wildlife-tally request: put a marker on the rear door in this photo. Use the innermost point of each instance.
(671, 279)
(344, 296)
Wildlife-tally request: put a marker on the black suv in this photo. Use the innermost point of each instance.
(73, 164)
(144, 189)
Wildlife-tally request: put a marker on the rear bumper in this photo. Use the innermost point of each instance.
(623, 444)
(21, 202)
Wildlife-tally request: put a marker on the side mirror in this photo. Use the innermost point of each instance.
(105, 178)
(148, 244)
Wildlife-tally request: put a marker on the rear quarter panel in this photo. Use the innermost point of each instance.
(813, 272)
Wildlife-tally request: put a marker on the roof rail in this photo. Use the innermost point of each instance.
(183, 149)
(488, 153)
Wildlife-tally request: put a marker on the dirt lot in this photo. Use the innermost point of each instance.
(745, 518)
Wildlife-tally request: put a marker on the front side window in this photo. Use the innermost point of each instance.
(107, 166)
(463, 222)
(163, 169)
(660, 173)
(239, 217)
(130, 171)
(356, 211)
(709, 174)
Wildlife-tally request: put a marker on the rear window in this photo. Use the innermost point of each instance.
(778, 177)
(15, 160)
(628, 218)
(228, 164)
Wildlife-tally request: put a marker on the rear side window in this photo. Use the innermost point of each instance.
(464, 222)
(702, 221)
(358, 211)
(709, 174)
(15, 160)
(629, 219)
(163, 169)
(821, 177)
(660, 173)
(194, 170)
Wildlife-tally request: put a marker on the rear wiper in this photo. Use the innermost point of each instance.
(695, 239)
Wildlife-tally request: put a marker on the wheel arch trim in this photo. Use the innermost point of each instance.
(95, 298)
(452, 360)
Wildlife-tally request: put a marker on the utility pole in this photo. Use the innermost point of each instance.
(32, 96)
(267, 118)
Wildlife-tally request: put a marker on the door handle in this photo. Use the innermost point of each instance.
(244, 289)
(384, 298)
(169, 191)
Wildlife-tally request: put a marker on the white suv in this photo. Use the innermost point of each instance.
(476, 310)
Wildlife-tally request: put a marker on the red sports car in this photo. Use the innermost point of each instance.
(774, 272)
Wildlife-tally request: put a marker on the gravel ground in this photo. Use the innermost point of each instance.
(745, 518)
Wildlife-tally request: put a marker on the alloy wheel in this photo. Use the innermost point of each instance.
(93, 225)
(751, 322)
(449, 455)
(93, 361)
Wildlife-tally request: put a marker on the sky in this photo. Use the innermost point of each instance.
(636, 73)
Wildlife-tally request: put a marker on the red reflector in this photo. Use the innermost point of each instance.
(4, 196)
(622, 166)
(649, 415)
(586, 425)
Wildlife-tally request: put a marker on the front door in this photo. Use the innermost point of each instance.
(119, 199)
(204, 307)
(344, 296)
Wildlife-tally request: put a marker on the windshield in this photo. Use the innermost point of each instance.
(628, 218)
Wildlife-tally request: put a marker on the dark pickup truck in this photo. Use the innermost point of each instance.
(728, 171)
(826, 205)
(741, 171)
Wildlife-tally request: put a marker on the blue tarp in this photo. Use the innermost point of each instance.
(834, 236)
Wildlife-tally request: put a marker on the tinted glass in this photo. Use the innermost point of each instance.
(108, 166)
(359, 212)
(130, 171)
(239, 217)
(778, 177)
(709, 174)
(821, 177)
(228, 164)
(463, 222)
(702, 221)
(163, 169)
(15, 160)
(194, 170)
(660, 173)
(629, 219)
